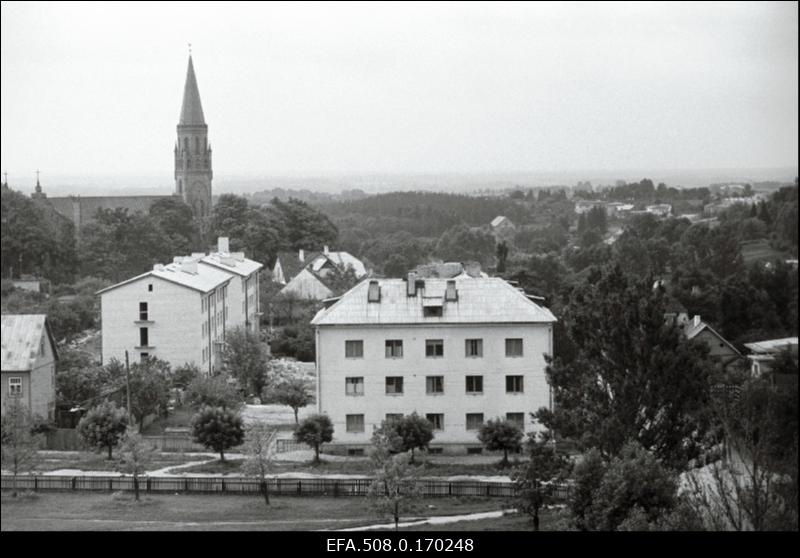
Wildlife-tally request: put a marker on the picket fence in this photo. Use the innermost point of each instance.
(249, 486)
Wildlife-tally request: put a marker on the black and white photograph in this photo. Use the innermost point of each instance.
(399, 274)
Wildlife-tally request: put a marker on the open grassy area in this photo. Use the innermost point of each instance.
(760, 250)
(549, 520)
(352, 467)
(107, 512)
(87, 461)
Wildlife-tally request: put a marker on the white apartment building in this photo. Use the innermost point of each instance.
(457, 351)
(180, 312)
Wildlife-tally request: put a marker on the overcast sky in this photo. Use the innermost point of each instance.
(349, 88)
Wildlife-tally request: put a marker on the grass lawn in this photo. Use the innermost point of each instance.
(87, 461)
(549, 520)
(180, 417)
(107, 512)
(353, 467)
(761, 250)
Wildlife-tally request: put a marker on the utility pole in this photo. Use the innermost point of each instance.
(128, 390)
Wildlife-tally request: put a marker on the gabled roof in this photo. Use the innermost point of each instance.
(772, 345)
(693, 331)
(480, 300)
(340, 259)
(21, 335)
(207, 277)
(291, 264)
(235, 263)
(191, 109)
(499, 219)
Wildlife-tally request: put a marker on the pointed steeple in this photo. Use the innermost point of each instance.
(192, 109)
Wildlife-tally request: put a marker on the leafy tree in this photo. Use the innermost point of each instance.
(218, 429)
(315, 431)
(500, 434)
(462, 243)
(19, 442)
(300, 225)
(259, 449)
(588, 474)
(634, 377)
(409, 433)
(535, 480)
(502, 256)
(213, 391)
(103, 426)
(244, 358)
(133, 457)
(293, 393)
(394, 487)
(184, 375)
(150, 384)
(295, 342)
(175, 219)
(78, 378)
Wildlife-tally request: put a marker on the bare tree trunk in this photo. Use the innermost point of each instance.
(297, 422)
(109, 450)
(536, 518)
(135, 486)
(265, 491)
(316, 453)
(222, 455)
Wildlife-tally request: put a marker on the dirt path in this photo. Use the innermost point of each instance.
(438, 520)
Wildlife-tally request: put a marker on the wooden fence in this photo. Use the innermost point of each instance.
(249, 486)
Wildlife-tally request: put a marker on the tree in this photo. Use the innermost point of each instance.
(409, 433)
(19, 443)
(535, 480)
(184, 375)
(218, 429)
(149, 384)
(293, 393)
(393, 490)
(300, 225)
(634, 377)
(315, 431)
(499, 434)
(175, 219)
(462, 243)
(259, 449)
(757, 488)
(502, 256)
(213, 391)
(133, 457)
(103, 426)
(244, 358)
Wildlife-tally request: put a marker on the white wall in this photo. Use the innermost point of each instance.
(333, 368)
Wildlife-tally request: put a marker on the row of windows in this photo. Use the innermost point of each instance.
(355, 423)
(354, 348)
(217, 296)
(433, 385)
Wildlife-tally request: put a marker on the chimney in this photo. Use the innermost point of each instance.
(158, 267)
(411, 287)
(325, 250)
(301, 255)
(697, 321)
(198, 255)
(238, 256)
(223, 245)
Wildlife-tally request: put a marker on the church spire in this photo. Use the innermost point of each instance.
(192, 109)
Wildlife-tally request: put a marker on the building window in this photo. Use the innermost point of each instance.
(394, 384)
(474, 421)
(355, 423)
(434, 384)
(432, 311)
(390, 417)
(143, 357)
(434, 348)
(394, 348)
(514, 384)
(436, 419)
(354, 349)
(15, 386)
(474, 348)
(513, 347)
(354, 386)
(150, 287)
(143, 311)
(474, 384)
(516, 418)
(143, 337)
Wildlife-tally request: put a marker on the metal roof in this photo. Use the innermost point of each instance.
(341, 260)
(192, 108)
(499, 219)
(480, 300)
(233, 262)
(21, 336)
(772, 345)
(205, 279)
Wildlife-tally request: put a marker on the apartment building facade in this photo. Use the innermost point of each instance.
(180, 312)
(456, 351)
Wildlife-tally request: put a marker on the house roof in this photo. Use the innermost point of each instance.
(480, 300)
(693, 331)
(772, 345)
(291, 264)
(206, 278)
(499, 219)
(191, 109)
(340, 259)
(233, 262)
(21, 335)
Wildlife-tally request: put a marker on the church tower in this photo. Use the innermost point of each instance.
(192, 152)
